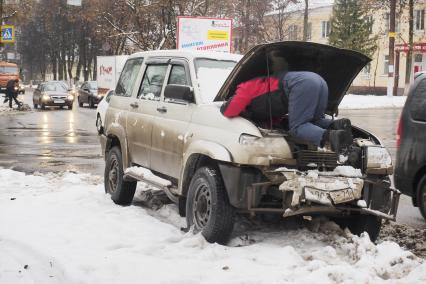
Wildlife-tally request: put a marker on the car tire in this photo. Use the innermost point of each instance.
(207, 206)
(421, 196)
(359, 223)
(80, 104)
(121, 191)
(42, 106)
(70, 106)
(99, 127)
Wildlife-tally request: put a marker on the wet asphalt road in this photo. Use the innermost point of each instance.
(56, 140)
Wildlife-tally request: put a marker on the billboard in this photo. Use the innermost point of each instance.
(200, 33)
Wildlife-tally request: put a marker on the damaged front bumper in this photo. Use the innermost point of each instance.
(328, 193)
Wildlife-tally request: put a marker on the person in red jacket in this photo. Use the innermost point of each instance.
(302, 95)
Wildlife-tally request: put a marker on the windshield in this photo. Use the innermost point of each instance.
(211, 75)
(93, 85)
(55, 87)
(9, 70)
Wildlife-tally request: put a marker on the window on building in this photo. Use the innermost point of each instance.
(419, 20)
(309, 32)
(292, 32)
(325, 29)
(418, 57)
(386, 65)
(387, 21)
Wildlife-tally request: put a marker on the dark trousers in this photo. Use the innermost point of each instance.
(11, 96)
(307, 102)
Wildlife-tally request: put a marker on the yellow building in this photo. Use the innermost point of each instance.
(374, 78)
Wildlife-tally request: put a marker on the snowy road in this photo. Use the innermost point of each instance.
(63, 228)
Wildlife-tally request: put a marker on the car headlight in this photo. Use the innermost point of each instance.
(250, 140)
(70, 97)
(46, 97)
(377, 157)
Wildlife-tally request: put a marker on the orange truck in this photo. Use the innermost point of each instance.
(8, 71)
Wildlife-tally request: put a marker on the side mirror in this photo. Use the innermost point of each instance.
(179, 92)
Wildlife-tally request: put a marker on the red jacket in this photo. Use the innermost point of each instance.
(251, 97)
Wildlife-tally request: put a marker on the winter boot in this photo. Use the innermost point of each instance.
(343, 124)
(337, 139)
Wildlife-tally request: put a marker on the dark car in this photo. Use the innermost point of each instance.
(52, 93)
(88, 93)
(410, 169)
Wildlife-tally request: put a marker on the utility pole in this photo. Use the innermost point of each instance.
(305, 21)
(392, 34)
(410, 46)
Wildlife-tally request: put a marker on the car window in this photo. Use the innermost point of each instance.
(128, 76)
(178, 75)
(418, 103)
(108, 95)
(152, 82)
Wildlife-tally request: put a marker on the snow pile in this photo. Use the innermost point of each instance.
(363, 102)
(64, 229)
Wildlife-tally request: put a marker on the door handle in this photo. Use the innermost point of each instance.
(134, 105)
(162, 109)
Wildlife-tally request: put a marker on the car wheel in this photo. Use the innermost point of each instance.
(359, 223)
(61, 107)
(91, 103)
(43, 106)
(121, 191)
(80, 104)
(99, 124)
(421, 196)
(207, 206)
(70, 106)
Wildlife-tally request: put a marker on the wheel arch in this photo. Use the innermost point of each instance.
(116, 137)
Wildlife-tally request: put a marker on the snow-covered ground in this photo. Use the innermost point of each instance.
(63, 228)
(370, 101)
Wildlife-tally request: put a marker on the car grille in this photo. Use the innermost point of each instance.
(56, 97)
(314, 159)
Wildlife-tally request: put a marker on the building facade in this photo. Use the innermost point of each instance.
(374, 78)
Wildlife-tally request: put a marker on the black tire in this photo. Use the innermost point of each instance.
(70, 106)
(421, 196)
(207, 206)
(99, 127)
(80, 104)
(43, 106)
(61, 107)
(359, 224)
(121, 191)
(91, 103)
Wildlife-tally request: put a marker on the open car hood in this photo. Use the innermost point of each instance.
(337, 66)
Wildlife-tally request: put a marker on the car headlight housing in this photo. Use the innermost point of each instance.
(250, 140)
(377, 157)
(70, 97)
(46, 97)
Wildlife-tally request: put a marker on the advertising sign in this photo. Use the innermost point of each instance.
(199, 33)
(109, 70)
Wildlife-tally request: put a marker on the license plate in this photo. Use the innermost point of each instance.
(325, 197)
(342, 196)
(59, 101)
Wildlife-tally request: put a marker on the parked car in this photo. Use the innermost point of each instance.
(410, 168)
(163, 126)
(52, 93)
(101, 111)
(88, 93)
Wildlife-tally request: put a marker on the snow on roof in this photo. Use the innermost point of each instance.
(313, 4)
(188, 53)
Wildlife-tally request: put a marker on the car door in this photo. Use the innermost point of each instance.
(144, 109)
(171, 124)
